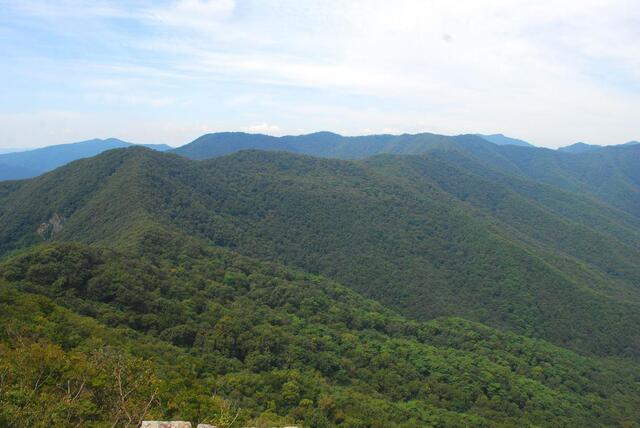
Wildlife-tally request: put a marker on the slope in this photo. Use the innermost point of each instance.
(610, 174)
(417, 244)
(273, 346)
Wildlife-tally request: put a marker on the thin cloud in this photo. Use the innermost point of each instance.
(264, 128)
(544, 71)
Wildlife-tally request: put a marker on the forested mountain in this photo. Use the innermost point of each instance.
(609, 173)
(235, 290)
(323, 144)
(194, 333)
(30, 163)
(418, 234)
(579, 148)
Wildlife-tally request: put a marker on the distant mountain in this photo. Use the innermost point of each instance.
(584, 148)
(503, 140)
(12, 172)
(25, 164)
(9, 150)
(580, 148)
(330, 145)
(322, 144)
(157, 147)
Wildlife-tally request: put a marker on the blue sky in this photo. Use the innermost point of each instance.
(549, 72)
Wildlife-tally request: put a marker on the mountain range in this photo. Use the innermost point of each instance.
(583, 147)
(19, 164)
(413, 280)
(25, 164)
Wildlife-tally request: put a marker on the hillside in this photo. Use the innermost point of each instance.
(418, 234)
(608, 173)
(249, 343)
(30, 163)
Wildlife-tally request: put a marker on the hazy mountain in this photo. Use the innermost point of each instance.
(580, 148)
(583, 148)
(323, 144)
(9, 150)
(30, 163)
(503, 140)
(12, 172)
(328, 144)
(157, 147)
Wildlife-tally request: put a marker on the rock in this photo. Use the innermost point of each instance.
(205, 426)
(165, 424)
(51, 227)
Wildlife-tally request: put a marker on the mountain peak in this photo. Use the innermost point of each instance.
(579, 147)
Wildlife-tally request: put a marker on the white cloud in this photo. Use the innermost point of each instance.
(549, 72)
(264, 128)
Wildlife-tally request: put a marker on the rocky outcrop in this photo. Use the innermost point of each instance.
(50, 228)
(166, 424)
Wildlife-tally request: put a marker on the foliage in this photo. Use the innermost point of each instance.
(440, 235)
(236, 341)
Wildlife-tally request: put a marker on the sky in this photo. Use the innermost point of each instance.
(549, 72)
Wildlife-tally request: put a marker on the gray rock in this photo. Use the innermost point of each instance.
(48, 229)
(165, 424)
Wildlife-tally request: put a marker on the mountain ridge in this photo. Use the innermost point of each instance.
(362, 223)
(30, 163)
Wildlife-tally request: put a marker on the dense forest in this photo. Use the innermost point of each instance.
(458, 286)
(609, 173)
(418, 234)
(204, 334)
